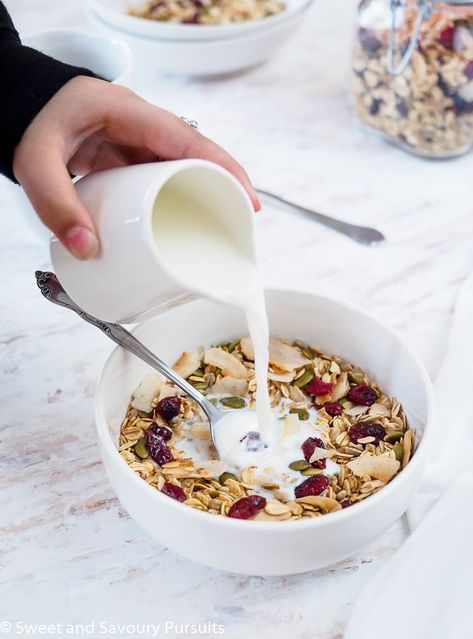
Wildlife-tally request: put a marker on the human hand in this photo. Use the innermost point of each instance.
(89, 125)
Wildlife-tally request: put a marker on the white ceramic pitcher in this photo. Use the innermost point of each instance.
(129, 279)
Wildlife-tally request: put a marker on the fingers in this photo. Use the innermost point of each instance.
(170, 138)
(42, 172)
(182, 141)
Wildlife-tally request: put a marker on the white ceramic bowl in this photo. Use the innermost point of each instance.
(114, 13)
(265, 548)
(104, 55)
(210, 56)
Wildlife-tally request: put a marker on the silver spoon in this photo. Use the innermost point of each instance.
(361, 234)
(52, 290)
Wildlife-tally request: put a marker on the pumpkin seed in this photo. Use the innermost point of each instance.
(140, 448)
(224, 476)
(214, 493)
(233, 345)
(214, 401)
(304, 379)
(144, 415)
(308, 352)
(233, 402)
(270, 486)
(302, 412)
(398, 451)
(300, 464)
(356, 377)
(311, 471)
(200, 385)
(394, 437)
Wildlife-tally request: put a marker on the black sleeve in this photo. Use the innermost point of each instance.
(28, 79)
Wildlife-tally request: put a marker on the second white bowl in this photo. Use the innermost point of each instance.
(206, 56)
(266, 548)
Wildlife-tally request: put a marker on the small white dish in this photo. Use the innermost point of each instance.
(114, 12)
(212, 56)
(266, 548)
(106, 56)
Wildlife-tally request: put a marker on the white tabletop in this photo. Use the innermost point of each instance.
(70, 553)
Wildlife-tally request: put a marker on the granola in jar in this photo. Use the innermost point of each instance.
(340, 437)
(413, 74)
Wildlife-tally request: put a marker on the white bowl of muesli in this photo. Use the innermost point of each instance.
(354, 405)
(195, 19)
(198, 48)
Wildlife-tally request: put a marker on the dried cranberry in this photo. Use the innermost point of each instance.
(333, 408)
(157, 448)
(156, 5)
(402, 108)
(367, 429)
(375, 106)
(446, 37)
(318, 387)
(308, 448)
(368, 40)
(362, 395)
(169, 407)
(195, 19)
(247, 507)
(173, 491)
(253, 441)
(469, 70)
(460, 105)
(313, 486)
(346, 503)
(161, 431)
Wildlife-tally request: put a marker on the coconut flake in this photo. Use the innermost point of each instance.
(281, 355)
(381, 467)
(214, 467)
(341, 388)
(230, 386)
(229, 364)
(320, 453)
(188, 363)
(147, 390)
(291, 424)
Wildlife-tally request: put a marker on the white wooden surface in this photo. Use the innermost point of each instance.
(69, 553)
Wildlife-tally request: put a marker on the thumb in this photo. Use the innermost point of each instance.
(50, 190)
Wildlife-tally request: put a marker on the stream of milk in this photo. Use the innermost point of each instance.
(203, 252)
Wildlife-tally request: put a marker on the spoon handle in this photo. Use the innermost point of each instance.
(52, 290)
(361, 234)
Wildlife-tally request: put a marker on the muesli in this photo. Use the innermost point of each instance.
(428, 108)
(353, 438)
(206, 11)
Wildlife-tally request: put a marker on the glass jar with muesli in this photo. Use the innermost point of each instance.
(413, 74)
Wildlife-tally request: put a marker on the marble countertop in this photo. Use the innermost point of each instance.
(69, 552)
